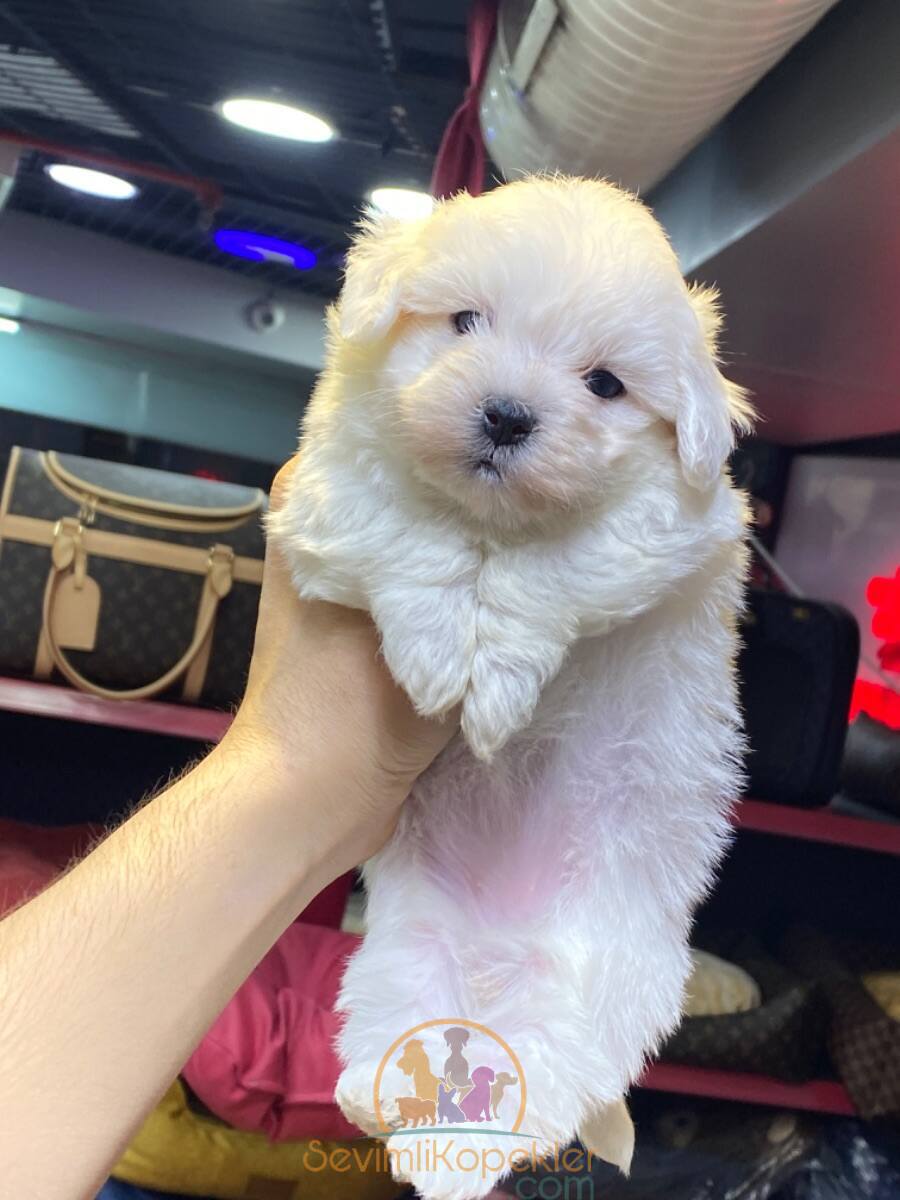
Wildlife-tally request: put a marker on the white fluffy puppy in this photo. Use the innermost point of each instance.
(515, 461)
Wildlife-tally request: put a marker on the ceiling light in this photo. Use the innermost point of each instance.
(258, 247)
(9, 325)
(277, 120)
(94, 183)
(405, 203)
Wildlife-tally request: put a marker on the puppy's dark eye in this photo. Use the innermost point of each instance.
(466, 321)
(604, 384)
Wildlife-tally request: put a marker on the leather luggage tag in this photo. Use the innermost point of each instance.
(76, 613)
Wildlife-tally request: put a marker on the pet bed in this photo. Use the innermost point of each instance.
(179, 1150)
(863, 1036)
(783, 1036)
(268, 1064)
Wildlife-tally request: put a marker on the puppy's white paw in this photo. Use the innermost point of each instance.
(485, 730)
(428, 640)
(433, 682)
(507, 679)
(498, 704)
(356, 1096)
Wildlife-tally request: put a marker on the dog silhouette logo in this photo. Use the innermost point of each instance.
(456, 1068)
(476, 1080)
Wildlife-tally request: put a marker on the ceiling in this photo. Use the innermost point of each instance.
(805, 249)
(140, 81)
(812, 304)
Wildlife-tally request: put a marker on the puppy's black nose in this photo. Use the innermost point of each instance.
(506, 422)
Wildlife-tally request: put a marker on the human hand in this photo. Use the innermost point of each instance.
(111, 976)
(319, 693)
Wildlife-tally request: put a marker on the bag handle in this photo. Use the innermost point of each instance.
(67, 555)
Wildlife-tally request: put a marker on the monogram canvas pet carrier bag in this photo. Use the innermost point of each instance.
(126, 582)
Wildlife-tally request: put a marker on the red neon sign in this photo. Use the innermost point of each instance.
(874, 698)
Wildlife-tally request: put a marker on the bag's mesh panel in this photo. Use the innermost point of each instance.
(152, 485)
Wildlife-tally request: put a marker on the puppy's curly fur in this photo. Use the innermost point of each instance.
(575, 592)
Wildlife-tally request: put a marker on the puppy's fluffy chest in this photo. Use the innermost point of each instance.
(567, 807)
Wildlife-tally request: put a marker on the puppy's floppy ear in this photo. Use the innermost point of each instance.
(711, 408)
(378, 264)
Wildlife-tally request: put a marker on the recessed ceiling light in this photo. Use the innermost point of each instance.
(405, 203)
(275, 119)
(259, 247)
(9, 325)
(94, 183)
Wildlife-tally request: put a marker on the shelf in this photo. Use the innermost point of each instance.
(206, 725)
(819, 1095)
(149, 716)
(818, 825)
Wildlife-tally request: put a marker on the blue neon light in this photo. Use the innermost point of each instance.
(259, 247)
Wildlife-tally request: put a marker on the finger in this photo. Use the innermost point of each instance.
(282, 482)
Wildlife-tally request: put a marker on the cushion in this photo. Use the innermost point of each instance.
(783, 1035)
(179, 1150)
(863, 1038)
(884, 988)
(717, 988)
(268, 1064)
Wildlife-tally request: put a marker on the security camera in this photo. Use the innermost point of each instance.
(265, 316)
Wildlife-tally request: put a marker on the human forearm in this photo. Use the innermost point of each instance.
(110, 978)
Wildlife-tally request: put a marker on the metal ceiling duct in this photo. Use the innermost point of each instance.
(624, 88)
